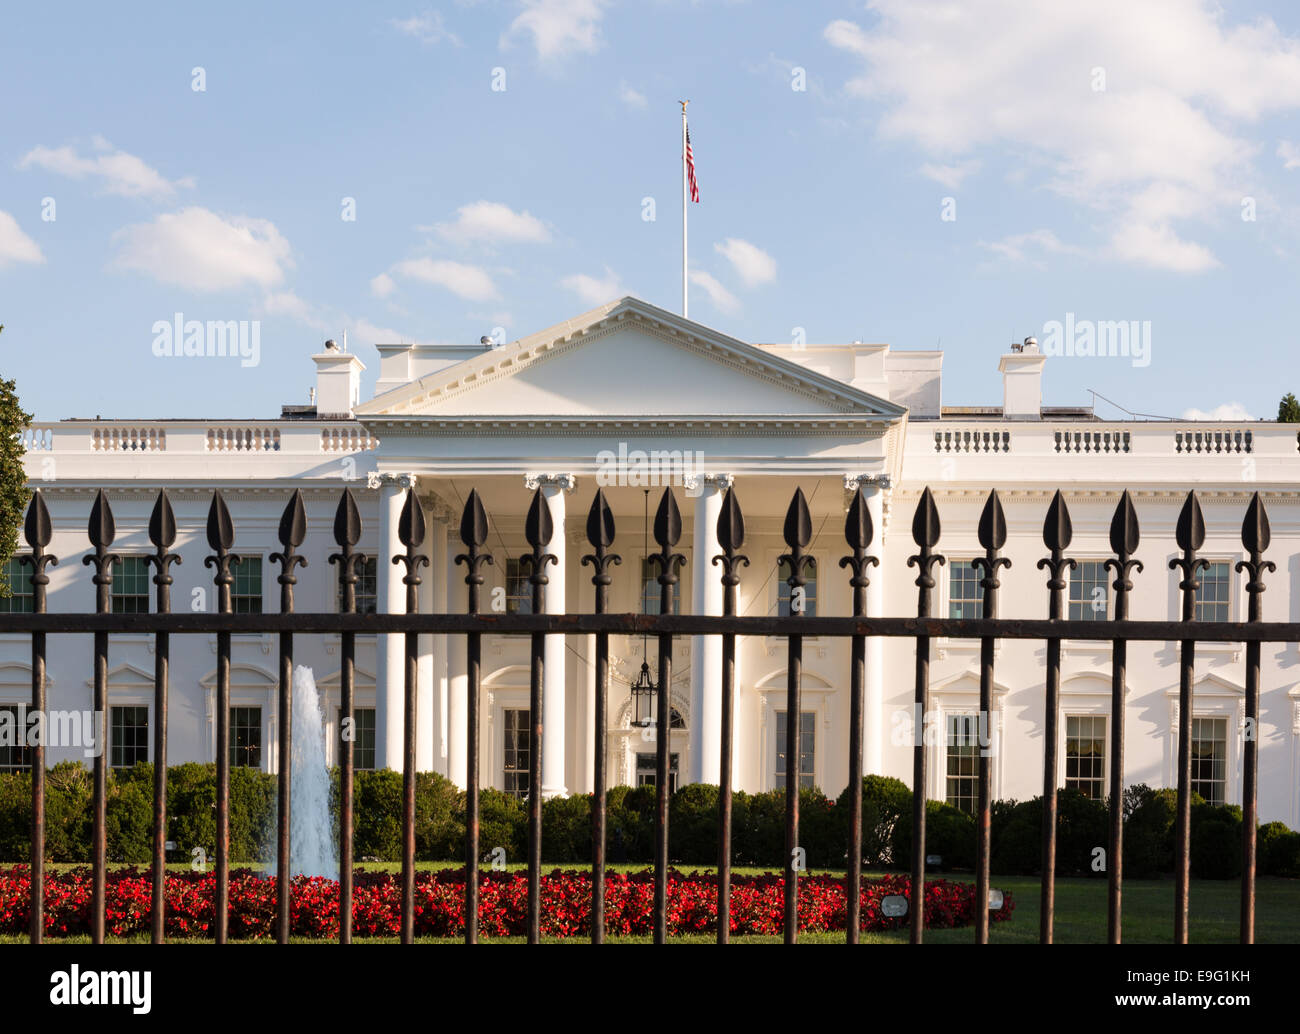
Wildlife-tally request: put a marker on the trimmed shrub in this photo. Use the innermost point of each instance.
(69, 815)
(1216, 842)
(885, 801)
(949, 832)
(693, 824)
(502, 822)
(128, 824)
(566, 829)
(1277, 850)
(1148, 831)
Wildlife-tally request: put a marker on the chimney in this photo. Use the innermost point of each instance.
(338, 381)
(1022, 381)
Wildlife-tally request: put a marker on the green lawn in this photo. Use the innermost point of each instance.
(1080, 912)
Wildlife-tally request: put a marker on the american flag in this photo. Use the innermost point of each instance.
(690, 169)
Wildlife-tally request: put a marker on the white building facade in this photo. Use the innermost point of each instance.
(629, 397)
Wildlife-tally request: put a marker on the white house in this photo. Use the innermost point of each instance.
(628, 394)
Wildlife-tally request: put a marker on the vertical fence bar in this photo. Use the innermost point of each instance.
(858, 533)
(1190, 534)
(1255, 537)
(162, 533)
(992, 537)
(1057, 532)
(347, 533)
(221, 536)
(925, 533)
(473, 533)
(668, 532)
(38, 531)
(798, 533)
(600, 533)
(1124, 538)
(731, 537)
(410, 533)
(538, 529)
(101, 531)
(293, 530)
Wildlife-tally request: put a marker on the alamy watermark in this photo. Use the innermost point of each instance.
(637, 468)
(1105, 339)
(240, 339)
(27, 728)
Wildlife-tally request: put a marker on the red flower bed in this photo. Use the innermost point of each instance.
(757, 903)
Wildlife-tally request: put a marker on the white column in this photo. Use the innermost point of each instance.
(706, 651)
(457, 670)
(389, 651)
(589, 717)
(873, 704)
(431, 594)
(554, 684)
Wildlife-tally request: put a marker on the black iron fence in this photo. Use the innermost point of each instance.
(859, 534)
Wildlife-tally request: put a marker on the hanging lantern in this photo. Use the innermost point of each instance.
(643, 698)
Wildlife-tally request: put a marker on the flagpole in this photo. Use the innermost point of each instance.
(685, 202)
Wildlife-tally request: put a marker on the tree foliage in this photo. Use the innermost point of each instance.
(1288, 410)
(13, 478)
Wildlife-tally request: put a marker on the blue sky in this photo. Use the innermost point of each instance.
(1099, 162)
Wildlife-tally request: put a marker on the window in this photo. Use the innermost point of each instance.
(647, 768)
(130, 589)
(363, 737)
(515, 742)
(519, 591)
(809, 590)
(1085, 754)
(1213, 602)
(1210, 758)
(367, 587)
(807, 747)
(246, 590)
(128, 736)
(1088, 592)
(963, 752)
(15, 755)
(650, 589)
(20, 599)
(246, 737)
(965, 597)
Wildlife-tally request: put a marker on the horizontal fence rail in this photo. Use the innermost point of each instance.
(794, 627)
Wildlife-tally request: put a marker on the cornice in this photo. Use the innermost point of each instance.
(865, 427)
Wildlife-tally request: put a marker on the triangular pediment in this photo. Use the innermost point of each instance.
(627, 359)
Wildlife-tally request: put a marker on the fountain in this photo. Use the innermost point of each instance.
(311, 841)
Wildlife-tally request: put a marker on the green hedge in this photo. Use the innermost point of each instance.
(758, 824)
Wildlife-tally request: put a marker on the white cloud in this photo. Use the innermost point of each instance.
(559, 28)
(492, 222)
(286, 303)
(594, 290)
(721, 298)
(632, 98)
(1165, 144)
(198, 249)
(427, 27)
(1227, 411)
(754, 265)
(366, 333)
(382, 286)
(16, 246)
(118, 172)
(1161, 248)
(1028, 247)
(951, 175)
(1290, 155)
(469, 282)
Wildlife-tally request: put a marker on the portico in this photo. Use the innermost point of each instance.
(573, 409)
